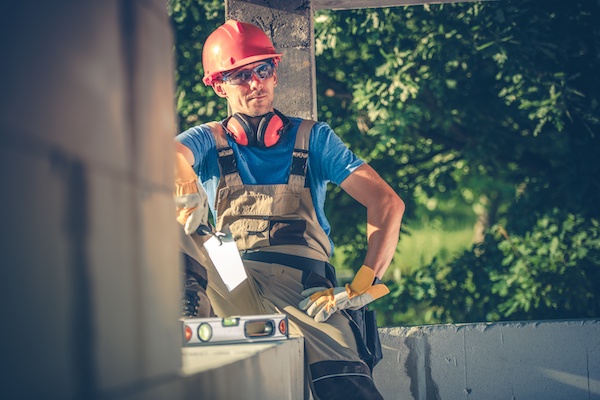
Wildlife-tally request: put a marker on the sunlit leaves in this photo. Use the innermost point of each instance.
(494, 102)
(193, 21)
(545, 265)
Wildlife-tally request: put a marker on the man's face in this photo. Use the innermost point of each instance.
(253, 97)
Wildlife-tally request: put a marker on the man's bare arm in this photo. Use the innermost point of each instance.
(384, 215)
(185, 152)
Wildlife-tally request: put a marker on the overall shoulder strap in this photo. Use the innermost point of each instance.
(299, 166)
(227, 161)
(219, 134)
(303, 134)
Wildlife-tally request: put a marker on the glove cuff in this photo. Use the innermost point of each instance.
(362, 281)
(183, 214)
(378, 291)
(186, 180)
(183, 188)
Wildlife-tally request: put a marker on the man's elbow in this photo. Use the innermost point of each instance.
(397, 206)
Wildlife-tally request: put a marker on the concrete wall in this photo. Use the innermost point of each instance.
(265, 371)
(513, 361)
(89, 263)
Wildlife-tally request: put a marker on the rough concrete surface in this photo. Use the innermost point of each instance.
(510, 360)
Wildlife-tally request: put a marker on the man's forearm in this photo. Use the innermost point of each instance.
(384, 215)
(383, 232)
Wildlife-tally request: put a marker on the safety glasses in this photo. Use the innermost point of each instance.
(262, 71)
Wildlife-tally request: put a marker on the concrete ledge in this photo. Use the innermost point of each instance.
(267, 370)
(510, 360)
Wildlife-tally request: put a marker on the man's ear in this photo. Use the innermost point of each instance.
(219, 89)
(275, 78)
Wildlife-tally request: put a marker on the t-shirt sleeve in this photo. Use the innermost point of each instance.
(333, 160)
(201, 142)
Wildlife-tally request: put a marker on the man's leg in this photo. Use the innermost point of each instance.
(243, 300)
(335, 368)
(194, 301)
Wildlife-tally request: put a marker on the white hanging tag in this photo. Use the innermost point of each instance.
(225, 256)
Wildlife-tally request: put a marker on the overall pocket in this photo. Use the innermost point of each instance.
(287, 232)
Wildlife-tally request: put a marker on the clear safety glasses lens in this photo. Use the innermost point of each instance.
(262, 71)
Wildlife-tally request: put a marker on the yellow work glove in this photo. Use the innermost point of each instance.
(191, 201)
(321, 302)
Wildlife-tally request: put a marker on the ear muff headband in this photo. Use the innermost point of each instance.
(267, 134)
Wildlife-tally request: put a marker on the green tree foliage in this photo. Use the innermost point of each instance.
(193, 21)
(549, 272)
(480, 97)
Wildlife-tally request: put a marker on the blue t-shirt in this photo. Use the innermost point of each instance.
(329, 160)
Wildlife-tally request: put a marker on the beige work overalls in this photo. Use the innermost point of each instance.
(281, 218)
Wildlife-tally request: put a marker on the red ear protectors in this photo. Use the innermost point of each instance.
(266, 135)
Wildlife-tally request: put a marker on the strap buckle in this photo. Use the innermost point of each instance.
(209, 230)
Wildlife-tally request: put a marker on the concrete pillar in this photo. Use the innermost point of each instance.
(289, 24)
(89, 263)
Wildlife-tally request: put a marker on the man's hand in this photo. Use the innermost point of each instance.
(321, 302)
(191, 201)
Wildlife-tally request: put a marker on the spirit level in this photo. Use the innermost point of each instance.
(241, 329)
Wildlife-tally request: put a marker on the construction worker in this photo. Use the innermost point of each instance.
(264, 176)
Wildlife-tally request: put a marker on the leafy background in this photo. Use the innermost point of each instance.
(484, 118)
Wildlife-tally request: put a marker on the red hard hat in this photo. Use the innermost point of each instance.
(233, 45)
